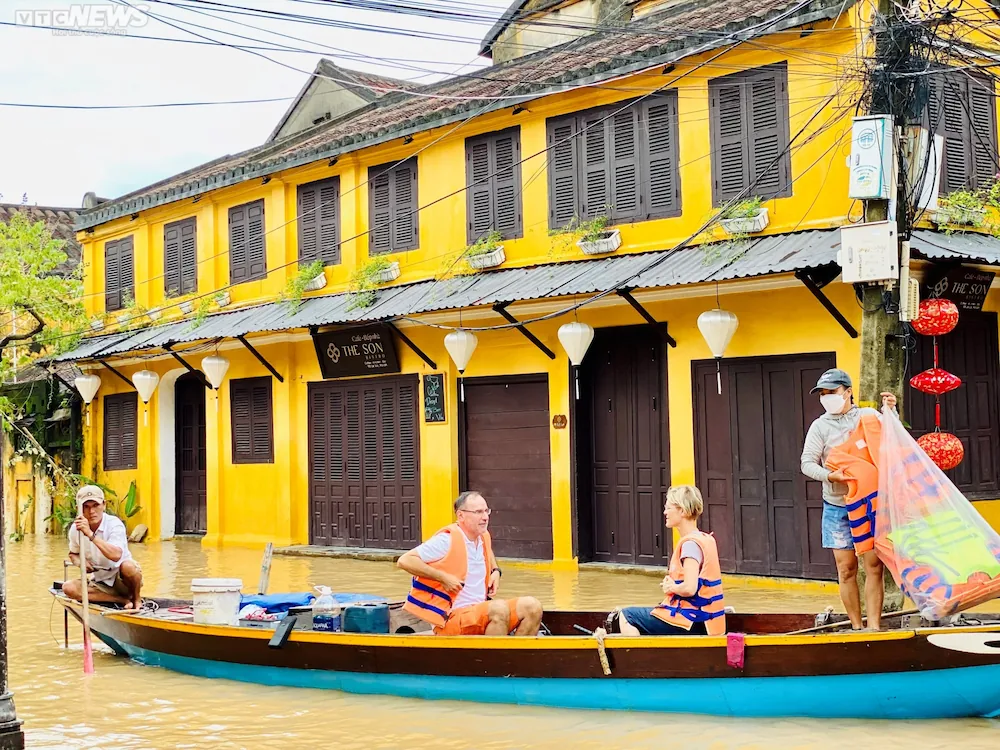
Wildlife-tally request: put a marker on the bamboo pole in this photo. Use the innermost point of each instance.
(88, 653)
(265, 569)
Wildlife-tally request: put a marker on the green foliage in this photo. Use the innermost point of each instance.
(962, 208)
(132, 316)
(123, 508)
(296, 286)
(578, 230)
(64, 500)
(201, 312)
(485, 244)
(29, 259)
(364, 281)
(744, 209)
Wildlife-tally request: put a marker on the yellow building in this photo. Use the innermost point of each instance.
(343, 421)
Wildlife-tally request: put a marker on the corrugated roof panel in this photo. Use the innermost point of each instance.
(968, 246)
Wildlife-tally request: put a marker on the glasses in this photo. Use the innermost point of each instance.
(485, 512)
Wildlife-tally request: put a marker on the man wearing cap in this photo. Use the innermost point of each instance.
(828, 431)
(114, 576)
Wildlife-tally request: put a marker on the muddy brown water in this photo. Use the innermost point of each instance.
(126, 705)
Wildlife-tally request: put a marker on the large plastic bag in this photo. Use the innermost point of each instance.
(942, 553)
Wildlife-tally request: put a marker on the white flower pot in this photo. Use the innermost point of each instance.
(154, 314)
(124, 319)
(611, 241)
(746, 225)
(317, 283)
(963, 217)
(222, 299)
(389, 274)
(97, 325)
(492, 259)
(186, 307)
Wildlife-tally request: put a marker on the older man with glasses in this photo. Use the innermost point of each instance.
(455, 577)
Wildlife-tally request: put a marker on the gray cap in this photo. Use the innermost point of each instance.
(90, 493)
(832, 379)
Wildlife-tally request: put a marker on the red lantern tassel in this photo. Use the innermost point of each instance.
(935, 352)
(937, 414)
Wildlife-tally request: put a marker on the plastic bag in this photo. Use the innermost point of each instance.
(942, 553)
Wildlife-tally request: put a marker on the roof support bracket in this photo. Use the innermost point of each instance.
(626, 294)
(200, 375)
(827, 304)
(116, 372)
(260, 358)
(413, 347)
(501, 309)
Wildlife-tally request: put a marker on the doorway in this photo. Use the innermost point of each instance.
(191, 461)
(765, 514)
(622, 447)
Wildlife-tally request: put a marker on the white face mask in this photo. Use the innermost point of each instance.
(833, 403)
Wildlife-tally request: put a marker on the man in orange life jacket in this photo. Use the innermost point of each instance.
(455, 577)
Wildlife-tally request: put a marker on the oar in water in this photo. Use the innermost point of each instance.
(88, 653)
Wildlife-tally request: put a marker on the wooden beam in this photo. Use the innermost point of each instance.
(413, 347)
(201, 376)
(260, 358)
(626, 294)
(501, 308)
(109, 367)
(827, 304)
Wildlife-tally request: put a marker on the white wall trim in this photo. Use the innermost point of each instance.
(167, 451)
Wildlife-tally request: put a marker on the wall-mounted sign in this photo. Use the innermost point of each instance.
(356, 351)
(434, 406)
(559, 421)
(966, 287)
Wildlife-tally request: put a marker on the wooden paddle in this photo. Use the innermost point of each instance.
(831, 625)
(88, 653)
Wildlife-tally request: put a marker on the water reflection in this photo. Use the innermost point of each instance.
(125, 705)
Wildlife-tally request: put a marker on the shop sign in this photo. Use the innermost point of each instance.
(352, 352)
(966, 287)
(434, 406)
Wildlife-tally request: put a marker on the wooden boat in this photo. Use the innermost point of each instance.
(906, 673)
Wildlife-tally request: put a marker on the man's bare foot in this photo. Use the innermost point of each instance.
(135, 603)
(130, 605)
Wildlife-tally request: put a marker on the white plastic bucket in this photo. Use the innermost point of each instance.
(216, 600)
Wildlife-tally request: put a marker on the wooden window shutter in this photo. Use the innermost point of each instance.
(394, 223)
(407, 420)
(379, 211)
(112, 291)
(950, 120)
(727, 119)
(319, 221)
(596, 183)
(369, 430)
(180, 258)
(256, 249)
(405, 228)
(660, 157)
(238, 271)
(983, 129)
(121, 431)
(252, 418)
(479, 200)
(126, 269)
(770, 164)
(493, 174)
(563, 154)
(624, 197)
(247, 246)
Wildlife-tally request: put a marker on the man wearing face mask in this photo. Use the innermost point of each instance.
(828, 431)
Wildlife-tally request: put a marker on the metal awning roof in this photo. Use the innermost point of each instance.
(970, 247)
(760, 257)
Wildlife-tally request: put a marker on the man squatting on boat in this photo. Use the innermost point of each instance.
(114, 577)
(455, 577)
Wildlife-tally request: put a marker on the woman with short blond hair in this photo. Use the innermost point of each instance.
(693, 584)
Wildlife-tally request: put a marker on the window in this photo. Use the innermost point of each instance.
(180, 258)
(960, 109)
(120, 437)
(392, 208)
(620, 163)
(493, 174)
(119, 273)
(247, 249)
(319, 222)
(748, 115)
(250, 401)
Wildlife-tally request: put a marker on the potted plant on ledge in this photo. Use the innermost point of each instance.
(593, 236)
(745, 217)
(366, 278)
(964, 208)
(486, 252)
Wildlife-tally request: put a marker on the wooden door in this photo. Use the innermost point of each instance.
(626, 386)
(192, 482)
(970, 411)
(364, 463)
(748, 441)
(505, 447)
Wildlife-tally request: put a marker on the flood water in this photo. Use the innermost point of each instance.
(125, 705)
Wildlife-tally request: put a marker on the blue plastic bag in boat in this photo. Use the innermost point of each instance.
(277, 603)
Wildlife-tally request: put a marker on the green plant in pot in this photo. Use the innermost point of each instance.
(965, 208)
(743, 217)
(366, 279)
(300, 284)
(486, 252)
(593, 236)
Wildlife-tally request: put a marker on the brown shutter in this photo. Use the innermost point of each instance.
(369, 413)
(247, 246)
(189, 256)
(180, 258)
(506, 152)
(172, 260)
(238, 271)
(112, 433)
(379, 211)
(319, 221)
(596, 185)
(479, 203)
(256, 249)
(660, 161)
(950, 120)
(406, 225)
(983, 130)
(407, 432)
(129, 434)
(564, 199)
(120, 431)
(730, 168)
(112, 277)
(624, 198)
(387, 432)
(336, 428)
(352, 415)
(767, 98)
(252, 417)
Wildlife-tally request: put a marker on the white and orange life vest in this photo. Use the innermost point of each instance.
(706, 604)
(428, 599)
(858, 459)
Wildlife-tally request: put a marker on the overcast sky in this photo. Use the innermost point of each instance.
(55, 156)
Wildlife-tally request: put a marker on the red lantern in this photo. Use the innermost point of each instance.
(936, 317)
(935, 381)
(943, 448)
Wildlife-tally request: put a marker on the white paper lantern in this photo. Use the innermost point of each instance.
(576, 339)
(145, 381)
(718, 327)
(87, 385)
(460, 345)
(215, 369)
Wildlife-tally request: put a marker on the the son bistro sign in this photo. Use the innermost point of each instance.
(356, 351)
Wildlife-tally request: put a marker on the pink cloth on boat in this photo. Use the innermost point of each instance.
(735, 647)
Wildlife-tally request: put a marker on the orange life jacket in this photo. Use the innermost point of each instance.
(706, 604)
(858, 459)
(428, 599)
